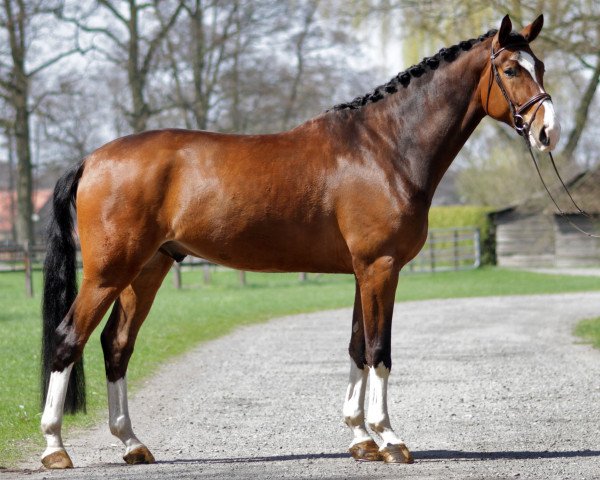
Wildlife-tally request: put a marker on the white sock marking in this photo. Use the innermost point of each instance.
(118, 414)
(54, 410)
(551, 123)
(377, 417)
(354, 405)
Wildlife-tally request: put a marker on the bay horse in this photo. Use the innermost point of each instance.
(346, 192)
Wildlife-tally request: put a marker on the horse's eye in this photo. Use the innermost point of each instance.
(510, 72)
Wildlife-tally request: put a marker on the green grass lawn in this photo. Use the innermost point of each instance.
(181, 319)
(589, 330)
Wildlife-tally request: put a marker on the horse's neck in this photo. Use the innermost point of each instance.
(431, 120)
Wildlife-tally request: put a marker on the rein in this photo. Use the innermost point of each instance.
(522, 128)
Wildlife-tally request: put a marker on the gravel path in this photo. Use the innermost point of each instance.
(481, 388)
(579, 272)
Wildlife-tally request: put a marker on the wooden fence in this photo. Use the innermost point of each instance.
(446, 249)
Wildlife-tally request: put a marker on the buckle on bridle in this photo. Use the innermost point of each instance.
(521, 126)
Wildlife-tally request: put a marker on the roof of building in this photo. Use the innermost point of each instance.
(8, 198)
(583, 186)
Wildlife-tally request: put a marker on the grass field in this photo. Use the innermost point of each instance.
(181, 319)
(589, 330)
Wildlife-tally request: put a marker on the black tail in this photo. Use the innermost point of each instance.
(60, 285)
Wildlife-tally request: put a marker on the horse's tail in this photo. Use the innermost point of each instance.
(60, 285)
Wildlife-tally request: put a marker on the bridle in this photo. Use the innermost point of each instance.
(522, 128)
(520, 125)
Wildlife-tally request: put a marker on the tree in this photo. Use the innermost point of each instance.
(22, 25)
(201, 52)
(127, 45)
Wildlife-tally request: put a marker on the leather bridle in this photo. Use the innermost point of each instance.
(520, 125)
(522, 128)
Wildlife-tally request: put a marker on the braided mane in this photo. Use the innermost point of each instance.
(447, 54)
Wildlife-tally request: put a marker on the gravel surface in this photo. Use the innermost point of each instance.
(579, 272)
(481, 388)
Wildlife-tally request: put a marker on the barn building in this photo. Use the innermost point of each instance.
(533, 234)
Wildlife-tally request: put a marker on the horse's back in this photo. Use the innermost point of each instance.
(260, 202)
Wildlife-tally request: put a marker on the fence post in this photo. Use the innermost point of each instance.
(206, 272)
(431, 251)
(242, 278)
(28, 269)
(177, 275)
(456, 262)
(477, 248)
(303, 276)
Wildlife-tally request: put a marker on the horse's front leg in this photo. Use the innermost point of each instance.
(377, 281)
(362, 447)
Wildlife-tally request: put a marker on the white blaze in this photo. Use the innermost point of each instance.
(551, 124)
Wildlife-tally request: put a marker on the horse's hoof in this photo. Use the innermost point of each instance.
(58, 459)
(366, 451)
(396, 454)
(139, 455)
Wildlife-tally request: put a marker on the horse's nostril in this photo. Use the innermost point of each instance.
(544, 137)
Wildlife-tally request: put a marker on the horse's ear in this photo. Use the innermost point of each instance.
(531, 31)
(504, 32)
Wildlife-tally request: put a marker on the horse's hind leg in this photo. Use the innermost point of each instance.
(87, 310)
(118, 338)
(362, 447)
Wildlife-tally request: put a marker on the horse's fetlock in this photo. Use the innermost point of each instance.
(50, 425)
(379, 424)
(353, 417)
(120, 425)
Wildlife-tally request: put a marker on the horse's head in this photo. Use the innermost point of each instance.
(512, 88)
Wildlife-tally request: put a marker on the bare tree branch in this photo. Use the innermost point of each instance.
(6, 85)
(114, 11)
(6, 124)
(104, 31)
(55, 59)
(158, 39)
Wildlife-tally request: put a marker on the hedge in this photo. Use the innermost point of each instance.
(467, 216)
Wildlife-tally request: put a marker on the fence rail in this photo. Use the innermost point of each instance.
(448, 249)
(445, 249)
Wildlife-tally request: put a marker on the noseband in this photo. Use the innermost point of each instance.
(520, 125)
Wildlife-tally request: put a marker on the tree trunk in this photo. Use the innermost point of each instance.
(581, 114)
(200, 106)
(139, 114)
(19, 100)
(24, 224)
(11, 184)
